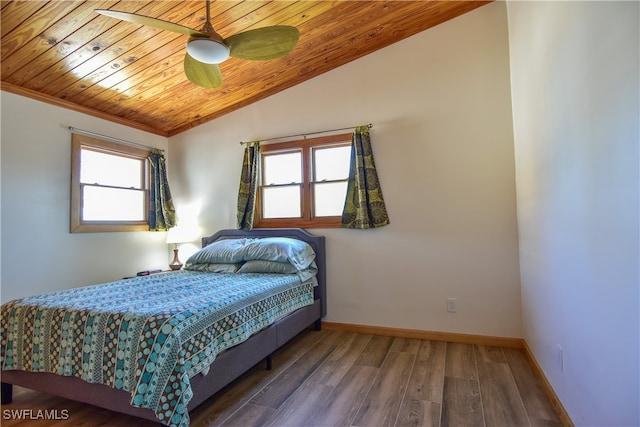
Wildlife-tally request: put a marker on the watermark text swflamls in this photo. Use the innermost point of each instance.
(35, 414)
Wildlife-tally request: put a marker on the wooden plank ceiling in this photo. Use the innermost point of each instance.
(63, 52)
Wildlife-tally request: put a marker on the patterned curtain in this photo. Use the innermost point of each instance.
(248, 186)
(162, 214)
(364, 205)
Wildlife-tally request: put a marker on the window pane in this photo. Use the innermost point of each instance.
(112, 204)
(109, 169)
(281, 202)
(332, 163)
(282, 168)
(329, 198)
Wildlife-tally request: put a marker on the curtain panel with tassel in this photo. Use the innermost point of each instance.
(248, 186)
(162, 214)
(364, 206)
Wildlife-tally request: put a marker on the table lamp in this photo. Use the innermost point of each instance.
(175, 235)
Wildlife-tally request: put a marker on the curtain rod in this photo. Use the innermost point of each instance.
(307, 134)
(111, 138)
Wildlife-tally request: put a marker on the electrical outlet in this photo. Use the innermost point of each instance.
(451, 305)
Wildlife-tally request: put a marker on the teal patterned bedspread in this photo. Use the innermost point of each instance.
(147, 335)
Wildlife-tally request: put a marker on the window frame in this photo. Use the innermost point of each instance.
(77, 224)
(307, 147)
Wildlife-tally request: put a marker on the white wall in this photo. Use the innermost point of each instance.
(38, 252)
(442, 137)
(575, 71)
(440, 102)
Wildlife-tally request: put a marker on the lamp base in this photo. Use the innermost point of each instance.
(175, 262)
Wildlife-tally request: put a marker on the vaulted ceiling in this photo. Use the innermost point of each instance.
(63, 52)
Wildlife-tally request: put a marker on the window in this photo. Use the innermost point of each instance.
(109, 186)
(303, 183)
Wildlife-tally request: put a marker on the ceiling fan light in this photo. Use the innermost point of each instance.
(207, 50)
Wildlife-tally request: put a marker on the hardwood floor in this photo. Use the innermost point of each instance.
(337, 378)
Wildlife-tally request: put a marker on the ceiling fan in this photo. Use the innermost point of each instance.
(206, 48)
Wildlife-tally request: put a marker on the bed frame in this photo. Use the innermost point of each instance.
(229, 364)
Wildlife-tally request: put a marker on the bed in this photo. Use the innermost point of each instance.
(156, 360)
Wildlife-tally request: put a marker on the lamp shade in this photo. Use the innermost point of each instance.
(182, 234)
(208, 51)
(175, 235)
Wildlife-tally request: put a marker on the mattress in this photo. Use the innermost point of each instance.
(147, 335)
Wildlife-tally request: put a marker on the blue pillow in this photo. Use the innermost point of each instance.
(280, 249)
(262, 266)
(275, 267)
(212, 267)
(226, 251)
(309, 273)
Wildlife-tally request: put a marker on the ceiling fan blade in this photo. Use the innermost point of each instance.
(151, 22)
(201, 74)
(263, 43)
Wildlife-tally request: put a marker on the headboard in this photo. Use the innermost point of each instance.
(316, 242)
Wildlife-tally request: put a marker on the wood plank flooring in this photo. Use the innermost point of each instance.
(337, 378)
